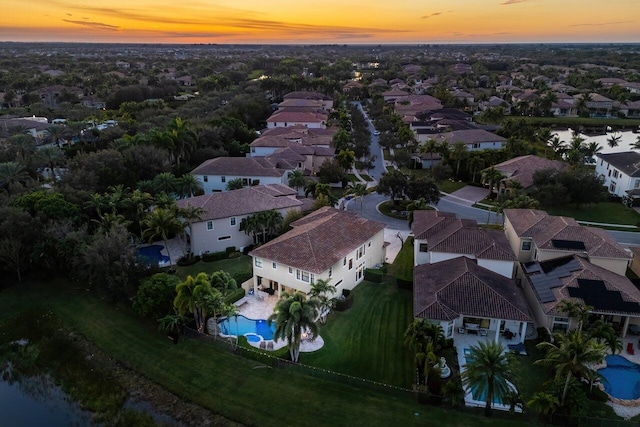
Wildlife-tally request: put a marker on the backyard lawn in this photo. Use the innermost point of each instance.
(230, 385)
(402, 266)
(231, 266)
(367, 339)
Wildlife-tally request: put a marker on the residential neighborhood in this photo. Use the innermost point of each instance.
(419, 234)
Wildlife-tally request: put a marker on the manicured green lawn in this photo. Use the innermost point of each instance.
(451, 186)
(231, 266)
(402, 266)
(367, 339)
(223, 382)
(605, 212)
(366, 177)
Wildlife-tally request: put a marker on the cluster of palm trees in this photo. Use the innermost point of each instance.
(181, 187)
(295, 314)
(426, 340)
(262, 226)
(572, 356)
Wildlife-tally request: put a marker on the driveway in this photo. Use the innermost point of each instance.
(470, 194)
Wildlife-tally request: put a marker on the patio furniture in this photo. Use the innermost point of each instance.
(630, 348)
(270, 345)
(634, 329)
(507, 334)
(483, 332)
(472, 328)
(241, 301)
(461, 330)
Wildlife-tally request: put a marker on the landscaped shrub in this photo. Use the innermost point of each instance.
(404, 284)
(543, 334)
(230, 249)
(187, 260)
(598, 395)
(234, 296)
(215, 256)
(344, 302)
(346, 293)
(155, 295)
(242, 276)
(373, 275)
(448, 343)
(235, 254)
(248, 249)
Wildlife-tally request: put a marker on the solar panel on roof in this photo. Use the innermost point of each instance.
(574, 245)
(596, 294)
(548, 276)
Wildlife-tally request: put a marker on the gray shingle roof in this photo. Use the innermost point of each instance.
(448, 289)
(628, 162)
(319, 240)
(243, 201)
(252, 166)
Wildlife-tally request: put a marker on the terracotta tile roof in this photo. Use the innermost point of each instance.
(301, 103)
(253, 166)
(307, 95)
(469, 136)
(522, 168)
(446, 233)
(319, 240)
(244, 201)
(297, 117)
(300, 130)
(448, 289)
(560, 275)
(543, 229)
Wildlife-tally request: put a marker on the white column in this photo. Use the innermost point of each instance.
(625, 326)
(498, 330)
(255, 285)
(523, 331)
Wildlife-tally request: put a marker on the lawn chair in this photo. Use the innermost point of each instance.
(630, 348)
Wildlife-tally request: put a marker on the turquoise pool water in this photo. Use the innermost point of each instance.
(480, 396)
(152, 254)
(621, 378)
(245, 325)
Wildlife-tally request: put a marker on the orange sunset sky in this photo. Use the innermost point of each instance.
(327, 21)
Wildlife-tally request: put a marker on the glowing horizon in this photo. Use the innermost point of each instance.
(333, 22)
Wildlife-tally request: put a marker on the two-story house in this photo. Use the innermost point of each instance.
(219, 225)
(329, 244)
(620, 173)
(215, 174)
(440, 236)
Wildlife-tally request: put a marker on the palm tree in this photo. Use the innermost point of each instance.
(293, 314)
(140, 202)
(12, 173)
(487, 371)
(172, 323)
(358, 190)
(558, 146)
(234, 184)
(458, 153)
(614, 140)
(430, 146)
(603, 332)
(188, 185)
(160, 224)
(195, 295)
(492, 176)
(444, 148)
(165, 182)
(55, 133)
(543, 403)
(24, 144)
(636, 145)
(475, 164)
(591, 149)
(575, 310)
(322, 292)
(346, 158)
(184, 140)
(51, 156)
(569, 355)
(297, 179)
(272, 222)
(250, 227)
(229, 311)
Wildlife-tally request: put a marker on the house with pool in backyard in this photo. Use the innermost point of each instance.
(329, 244)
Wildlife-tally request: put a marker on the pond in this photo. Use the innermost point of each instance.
(37, 401)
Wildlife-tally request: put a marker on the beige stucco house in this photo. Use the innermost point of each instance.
(328, 244)
(219, 226)
(535, 235)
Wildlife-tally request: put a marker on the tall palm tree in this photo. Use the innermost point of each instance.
(458, 153)
(184, 140)
(322, 292)
(12, 173)
(558, 146)
(492, 177)
(591, 149)
(358, 191)
(140, 202)
(444, 149)
(160, 224)
(229, 311)
(543, 403)
(575, 310)
(430, 146)
(636, 145)
(346, 158)
(570, 355)
(251, 227)
(292, 315)
(55, 133)
(297, 179)
(272, 223)
(165, 182)
(487, 371)
(52, 157)
(24, 145)
(614, 140)
(192, 297)
(188, 185)
(475, 164)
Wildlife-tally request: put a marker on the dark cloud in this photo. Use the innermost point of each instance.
(68, 14)
(513, 2)
(92, 24)
(602, 23)
(431, 15)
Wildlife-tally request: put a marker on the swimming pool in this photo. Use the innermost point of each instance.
(621, 378)
(151, 254)
(480, 396)
(246, 326)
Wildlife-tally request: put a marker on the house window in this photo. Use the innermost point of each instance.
(303, 276)
(344, 261)
(224, 237)
(258, 262)
(350, 263)
(205, 178)
(612, 187)
(275, 266)
(253, 149)
(290, 270)
(245, 181)
(423, 247)
(330, 271)
(636, 184)
(560, 324)
(233, 221)
(209, 225)
(526, 246)
(369, 244)
(223, 178)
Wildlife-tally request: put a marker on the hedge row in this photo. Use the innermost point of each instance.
(373, 275)
(234, 296)
(214, 256)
